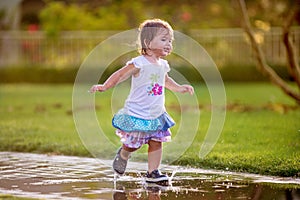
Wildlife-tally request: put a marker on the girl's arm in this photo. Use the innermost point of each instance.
(116, 78)
(175, 87)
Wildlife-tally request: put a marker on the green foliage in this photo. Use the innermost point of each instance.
(183, 15)
(58, 16)
(120, 15)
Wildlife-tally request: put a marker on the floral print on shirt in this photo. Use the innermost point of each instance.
(154, 89)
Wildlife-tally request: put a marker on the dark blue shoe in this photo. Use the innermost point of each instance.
(156, 177)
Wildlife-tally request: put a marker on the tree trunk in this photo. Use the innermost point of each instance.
(291, 57)
(261, 61)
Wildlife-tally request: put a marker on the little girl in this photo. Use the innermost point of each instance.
(144, 119)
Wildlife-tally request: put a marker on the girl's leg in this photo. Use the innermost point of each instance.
(121, 159)
(126, 151)
(154, 155)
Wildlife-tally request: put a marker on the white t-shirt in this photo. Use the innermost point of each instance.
(146, 99)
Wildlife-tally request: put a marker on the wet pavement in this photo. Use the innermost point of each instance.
(66, 177)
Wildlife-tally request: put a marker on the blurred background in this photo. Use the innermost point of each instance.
(54, 37)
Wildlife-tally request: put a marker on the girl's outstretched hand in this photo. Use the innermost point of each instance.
(96, 88)
(187, 88)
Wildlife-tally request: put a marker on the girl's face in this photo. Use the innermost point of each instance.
(161, 45)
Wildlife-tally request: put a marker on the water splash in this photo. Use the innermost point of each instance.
(173, 174)
(115, 180)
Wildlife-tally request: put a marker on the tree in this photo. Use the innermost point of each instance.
(57, 16)
(292, 62)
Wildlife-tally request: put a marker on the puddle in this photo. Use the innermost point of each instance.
(64, 177)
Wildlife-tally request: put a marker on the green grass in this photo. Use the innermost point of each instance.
(38, 119)
(10, 197)
(263, 142)
(261, 132)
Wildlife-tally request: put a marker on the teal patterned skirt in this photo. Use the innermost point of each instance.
(130, 123)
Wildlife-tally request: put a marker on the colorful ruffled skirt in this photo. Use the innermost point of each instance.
(135, 132)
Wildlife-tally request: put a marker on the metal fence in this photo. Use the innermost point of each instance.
(225, 46)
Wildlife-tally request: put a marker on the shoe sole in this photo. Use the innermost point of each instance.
(157, 180)
(159, 183)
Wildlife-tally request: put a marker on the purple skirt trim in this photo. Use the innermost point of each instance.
(137, 139)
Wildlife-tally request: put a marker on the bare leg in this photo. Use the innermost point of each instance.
(154, 155)
(121, 158)
(126, 151)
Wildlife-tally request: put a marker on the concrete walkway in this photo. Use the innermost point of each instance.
(67, 177)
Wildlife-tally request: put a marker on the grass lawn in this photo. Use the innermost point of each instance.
(261, 132)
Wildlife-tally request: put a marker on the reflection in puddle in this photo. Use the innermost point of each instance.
(62, 177)
(203, 186)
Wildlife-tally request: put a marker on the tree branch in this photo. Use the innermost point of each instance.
(261, 61)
